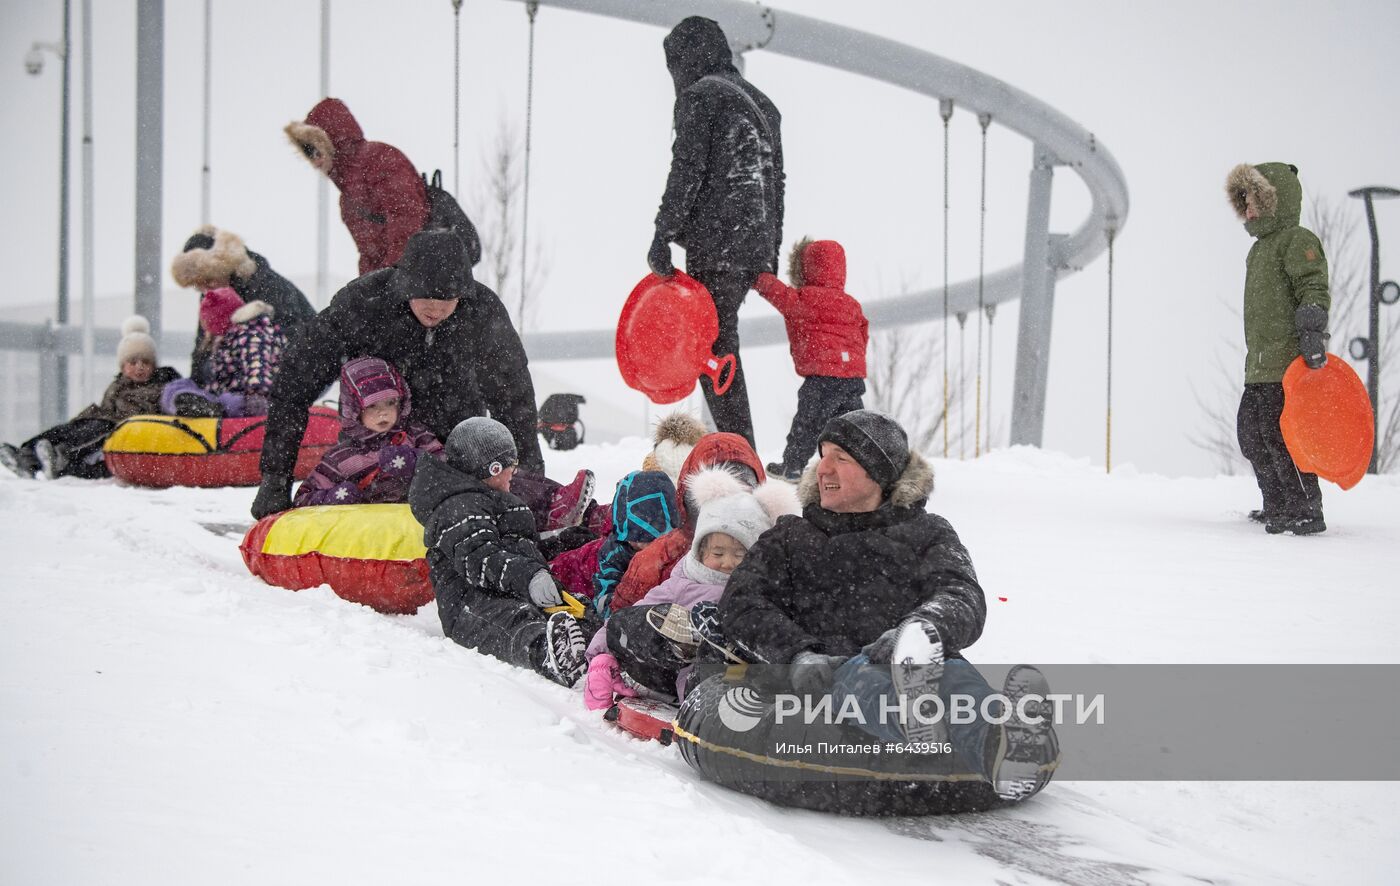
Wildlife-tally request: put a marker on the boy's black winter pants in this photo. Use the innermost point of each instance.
(820, 399)
(1287, 491)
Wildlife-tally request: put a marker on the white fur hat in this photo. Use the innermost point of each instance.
(136, 341)
(675, 436)
(728, 506)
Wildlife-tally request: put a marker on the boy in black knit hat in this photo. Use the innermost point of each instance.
(493, 586)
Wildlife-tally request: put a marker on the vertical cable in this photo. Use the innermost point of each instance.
(204, 209)
(1108, 413)
(531, 9)
(991, 340)
(962, 384)
(984, 120)
(457, 97)
(945, 110)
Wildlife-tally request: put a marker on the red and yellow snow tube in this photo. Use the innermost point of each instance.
(167, 450)
(370, 554)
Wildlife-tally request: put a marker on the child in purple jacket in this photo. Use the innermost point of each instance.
(647, 648)
(379, 447)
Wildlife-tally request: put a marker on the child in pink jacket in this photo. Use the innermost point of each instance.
(647, 648)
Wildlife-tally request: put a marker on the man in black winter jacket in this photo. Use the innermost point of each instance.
(869, 596)
(864, 557)
(448, 335)
(724, 195)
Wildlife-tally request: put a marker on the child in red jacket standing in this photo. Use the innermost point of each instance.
(827, 333)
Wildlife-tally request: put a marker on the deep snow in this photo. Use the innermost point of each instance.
(166, 718)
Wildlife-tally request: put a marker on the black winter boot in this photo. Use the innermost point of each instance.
(1032, 751)
(52, 459)
(564, 648)
(20, 462)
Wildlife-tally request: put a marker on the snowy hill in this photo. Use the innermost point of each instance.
(166, 718)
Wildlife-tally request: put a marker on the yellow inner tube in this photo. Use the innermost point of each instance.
(160, 435)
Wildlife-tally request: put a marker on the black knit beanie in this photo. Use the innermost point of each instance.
(874, 440)
(434, 265)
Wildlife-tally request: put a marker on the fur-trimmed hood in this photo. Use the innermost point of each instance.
(911, 490)
(329, 130)
(817, 263)
(206, 265)
(1274, 189)
(252, 310)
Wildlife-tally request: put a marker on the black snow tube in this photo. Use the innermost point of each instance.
(728, 731)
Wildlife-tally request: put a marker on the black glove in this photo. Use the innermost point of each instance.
(1311, 321)
(274, 496)
(811, 672)
(659, 258)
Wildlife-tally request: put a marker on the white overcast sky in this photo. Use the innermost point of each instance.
(1178, 92)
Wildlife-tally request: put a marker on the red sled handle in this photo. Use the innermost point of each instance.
(717, 367)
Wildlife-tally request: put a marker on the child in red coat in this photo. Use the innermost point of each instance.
(827, 333)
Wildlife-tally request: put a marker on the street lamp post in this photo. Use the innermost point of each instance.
(34, 64)
(1369, 348)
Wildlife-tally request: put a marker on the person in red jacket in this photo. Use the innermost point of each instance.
(382, 198)
(827, 333)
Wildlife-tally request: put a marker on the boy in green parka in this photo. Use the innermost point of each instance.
(1285, 315)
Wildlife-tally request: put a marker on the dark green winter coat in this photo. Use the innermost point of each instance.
(1285, 270)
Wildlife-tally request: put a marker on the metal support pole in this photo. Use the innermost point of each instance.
(204, 184)
(323, 195)
(1373, 350)
(60, 403)
(1037, 308)
(150, 131)
(89, 318)
(50, 410)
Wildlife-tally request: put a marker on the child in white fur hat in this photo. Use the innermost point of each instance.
(647, 648)
(74, 448)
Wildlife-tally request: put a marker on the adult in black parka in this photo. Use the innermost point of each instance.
(724, 194)
(449, 336)
(825, 600)
(213, 258)
(848, 570)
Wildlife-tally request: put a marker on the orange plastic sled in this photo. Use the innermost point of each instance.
(1327, 421)
(665, 336)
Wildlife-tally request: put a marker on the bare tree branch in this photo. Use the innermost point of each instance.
(498, 202)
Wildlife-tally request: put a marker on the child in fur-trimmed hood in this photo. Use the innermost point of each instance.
(1286, 300)
(648, 647)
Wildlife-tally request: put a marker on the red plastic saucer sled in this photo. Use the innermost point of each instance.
(1327, 421)
(665, 336)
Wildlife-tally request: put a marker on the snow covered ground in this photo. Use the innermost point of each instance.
(166, 718)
